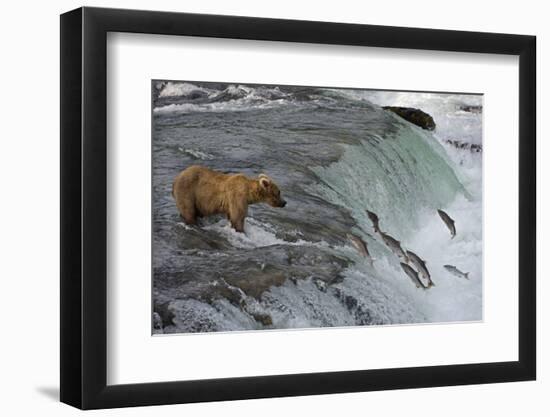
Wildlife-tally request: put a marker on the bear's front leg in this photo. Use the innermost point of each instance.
(238, 226)
(237, 214)
(186, 207)
(189, 219)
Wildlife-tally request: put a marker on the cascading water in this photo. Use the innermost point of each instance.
(333, 154)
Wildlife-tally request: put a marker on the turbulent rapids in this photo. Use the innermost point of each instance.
(334, 154)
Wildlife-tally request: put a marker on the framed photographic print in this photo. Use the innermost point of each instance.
(258, 208)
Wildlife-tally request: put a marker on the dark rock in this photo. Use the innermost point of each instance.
(162, 312)
(320, 284)
(157, 321)
(414, 116)
(264, 319)
(193, 95)
(472, 147)
(471, 109)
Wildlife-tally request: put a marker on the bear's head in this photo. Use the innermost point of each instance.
(269, 192)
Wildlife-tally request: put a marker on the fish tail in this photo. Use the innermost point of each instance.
(466, 274)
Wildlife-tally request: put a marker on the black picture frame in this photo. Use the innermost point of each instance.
(84, 207)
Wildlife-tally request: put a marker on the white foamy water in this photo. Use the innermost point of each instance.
(175, 89)
(256, 235)
(220, 107)
(234, 98)
(197, 154)
(452, 298)
(452, 123)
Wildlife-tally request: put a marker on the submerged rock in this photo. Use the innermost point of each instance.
(415, 116)
(254, 282)
(249, 272)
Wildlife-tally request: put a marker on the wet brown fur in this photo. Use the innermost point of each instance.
(201, 192)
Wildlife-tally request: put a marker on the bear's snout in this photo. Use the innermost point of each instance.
(282, 203)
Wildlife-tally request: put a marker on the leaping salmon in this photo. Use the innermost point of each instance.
(420, 264)
(361, 246)
(450, 223)
(413, 275)
(456, 272)
(395, 246)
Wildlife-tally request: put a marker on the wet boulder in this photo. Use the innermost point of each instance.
(414, 116)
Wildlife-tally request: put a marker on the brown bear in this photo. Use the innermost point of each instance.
(201, 192)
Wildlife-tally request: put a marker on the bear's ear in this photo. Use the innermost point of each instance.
(265, 182)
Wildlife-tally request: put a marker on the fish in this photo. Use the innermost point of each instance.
(375, 221)
(450, 223)
(456, 272)
(420, 264)
(413, 275)
(395, 246)
(361, 246)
